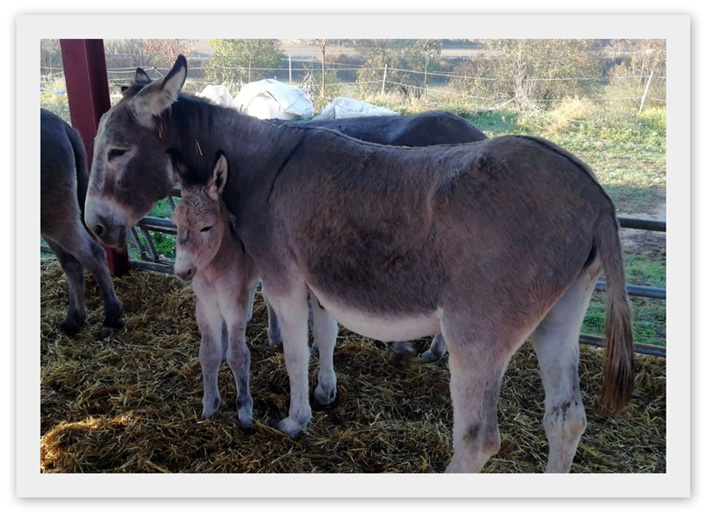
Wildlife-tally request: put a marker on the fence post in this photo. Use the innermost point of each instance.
(383, 84)
(646, 91)
(87, 89)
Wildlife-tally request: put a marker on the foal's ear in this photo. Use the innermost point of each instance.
(156, 96)
(217, 181)
(179, 166)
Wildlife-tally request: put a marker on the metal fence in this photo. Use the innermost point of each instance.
(150, 259)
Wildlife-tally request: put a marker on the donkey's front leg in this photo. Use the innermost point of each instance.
(292, 311)
(324, 330)
(210, 322)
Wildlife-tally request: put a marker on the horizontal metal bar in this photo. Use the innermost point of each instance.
(158, 224)
(639, 348)
(165, 268)
(637, 291)
(647, 225)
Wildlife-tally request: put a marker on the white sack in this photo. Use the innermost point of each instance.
(341, 108)
(218, 94)
(270, 99)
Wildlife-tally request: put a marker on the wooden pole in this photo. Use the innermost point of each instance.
(87, 90)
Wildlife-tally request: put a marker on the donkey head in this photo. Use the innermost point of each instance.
(131, 170)
(201, 217)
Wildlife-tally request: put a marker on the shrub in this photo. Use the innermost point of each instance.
(654, 118)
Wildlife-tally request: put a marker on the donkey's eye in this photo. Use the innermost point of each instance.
(115, 153)
(206, 229)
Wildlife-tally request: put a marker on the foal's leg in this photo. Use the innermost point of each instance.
(210, 322)
(75, 273)
(291, 308)
(556, 344)
(478, 360)
(324, 330)
(235, 311)
(436, 351)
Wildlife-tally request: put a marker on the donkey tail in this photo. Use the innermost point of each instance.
(618, 381)
(82, 177)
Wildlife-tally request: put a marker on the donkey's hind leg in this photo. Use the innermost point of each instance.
(478, 359)
(96, 263)
(75, 274)
(436, 351)
(324, 331)
(555, 341)
(76, 240)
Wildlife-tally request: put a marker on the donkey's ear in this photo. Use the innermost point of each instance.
(141, 77)
(179, 166)
(217, 181)
(155, 97)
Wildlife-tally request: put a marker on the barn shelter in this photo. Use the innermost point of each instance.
(439, 395)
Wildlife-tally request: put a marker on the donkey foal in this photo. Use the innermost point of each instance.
(223, 278)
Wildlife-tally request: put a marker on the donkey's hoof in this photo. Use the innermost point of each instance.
(430, 357)
(293, 429)
(274, 341)
(70, 326)
(325, 399)
(402, 361)
(107, 330)
(245, 419)
(209, 409)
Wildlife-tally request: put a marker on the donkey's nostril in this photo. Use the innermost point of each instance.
(186, 274)
(98, 229)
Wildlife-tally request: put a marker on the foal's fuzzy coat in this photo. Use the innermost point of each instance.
(223, 278)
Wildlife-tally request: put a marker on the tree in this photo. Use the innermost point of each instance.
(243, 60)
(531, 72)
(427, 49)
(129, 53)
(166, 51)
(49, 56)
(322, 43)
(640, 73)
(383, 56)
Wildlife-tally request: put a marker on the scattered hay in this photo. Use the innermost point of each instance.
(132, 402)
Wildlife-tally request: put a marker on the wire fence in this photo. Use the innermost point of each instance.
(409, 81)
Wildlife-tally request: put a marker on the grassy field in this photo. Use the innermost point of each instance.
(627, 152)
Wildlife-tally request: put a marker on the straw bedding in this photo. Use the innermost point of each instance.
(132, 402)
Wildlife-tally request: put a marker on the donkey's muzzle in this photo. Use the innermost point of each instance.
(111, 235)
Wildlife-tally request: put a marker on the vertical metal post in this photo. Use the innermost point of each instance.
(383, 84)
(87, 90)
(290, 69)
(646, 91)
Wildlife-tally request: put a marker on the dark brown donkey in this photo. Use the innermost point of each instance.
(485, 242)
(64, 180)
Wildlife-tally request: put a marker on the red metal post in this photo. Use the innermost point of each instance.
(87, 89)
